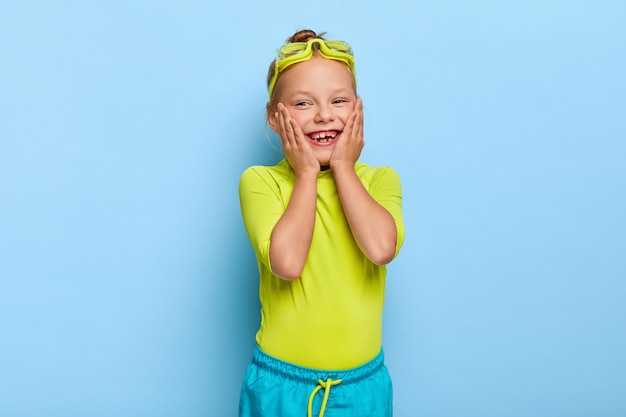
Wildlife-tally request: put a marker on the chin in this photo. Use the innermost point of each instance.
(324, 160)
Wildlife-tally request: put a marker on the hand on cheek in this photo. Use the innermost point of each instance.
(349, 147)
(295, 146)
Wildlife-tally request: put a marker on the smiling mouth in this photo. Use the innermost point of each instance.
(324, 137)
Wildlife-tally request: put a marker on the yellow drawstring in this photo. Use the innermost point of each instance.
(326, 386)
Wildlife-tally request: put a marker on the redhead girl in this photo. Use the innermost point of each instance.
(323, 226)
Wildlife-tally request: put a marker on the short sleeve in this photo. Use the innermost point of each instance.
(386, 189)
(262, 205)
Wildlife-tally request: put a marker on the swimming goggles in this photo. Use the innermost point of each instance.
(292, 53)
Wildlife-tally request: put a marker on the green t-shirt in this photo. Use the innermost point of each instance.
(331, 317)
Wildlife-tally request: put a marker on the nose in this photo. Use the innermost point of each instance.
(324, 114)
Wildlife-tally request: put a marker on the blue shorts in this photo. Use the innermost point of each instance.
(275, 388)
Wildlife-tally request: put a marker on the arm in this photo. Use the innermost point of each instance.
(372, 225)
(291, 237)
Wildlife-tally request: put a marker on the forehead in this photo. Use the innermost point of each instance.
(317, 73)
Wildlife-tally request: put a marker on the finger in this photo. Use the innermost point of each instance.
(359, 118)
(281, 126)
(350, 127)
(286, 133)
(289, 130)
(281, 122)
(297, 132)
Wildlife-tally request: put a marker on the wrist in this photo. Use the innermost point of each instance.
(307, 174)
(342, 167)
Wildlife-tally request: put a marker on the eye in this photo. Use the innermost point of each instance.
(339, 101)
(302, 104)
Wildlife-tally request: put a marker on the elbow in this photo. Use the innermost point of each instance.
(286, 263)
(287, 272)
(287, 275)
(384, 253)
(383, 258)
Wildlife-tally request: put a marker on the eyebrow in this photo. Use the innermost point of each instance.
(335, 91)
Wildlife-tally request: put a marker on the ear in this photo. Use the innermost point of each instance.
(271, 117)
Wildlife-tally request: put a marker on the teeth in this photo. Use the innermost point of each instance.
(324, 136)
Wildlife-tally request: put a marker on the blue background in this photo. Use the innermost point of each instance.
(127, 284)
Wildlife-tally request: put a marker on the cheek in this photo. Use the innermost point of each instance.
(346, 114)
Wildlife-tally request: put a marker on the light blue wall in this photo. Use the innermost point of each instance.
(127, 285)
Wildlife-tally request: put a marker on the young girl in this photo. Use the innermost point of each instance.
(323, 227)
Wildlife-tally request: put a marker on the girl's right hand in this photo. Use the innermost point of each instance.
(295, 146)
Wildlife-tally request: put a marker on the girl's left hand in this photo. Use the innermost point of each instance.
(349, 147)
